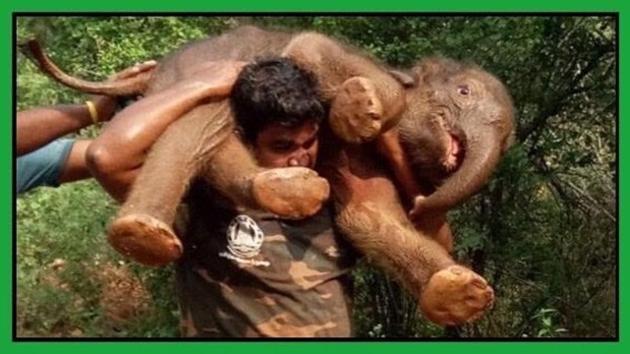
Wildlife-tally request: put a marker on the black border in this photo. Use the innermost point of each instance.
(16, 14)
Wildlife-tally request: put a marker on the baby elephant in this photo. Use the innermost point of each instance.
(442, 126)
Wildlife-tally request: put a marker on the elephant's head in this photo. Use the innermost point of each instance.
(457, 125)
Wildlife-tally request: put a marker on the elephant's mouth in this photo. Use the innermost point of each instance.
(454, 153)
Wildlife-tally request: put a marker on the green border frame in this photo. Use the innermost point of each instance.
(6, 327)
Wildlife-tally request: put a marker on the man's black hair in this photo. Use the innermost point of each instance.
(275, 90)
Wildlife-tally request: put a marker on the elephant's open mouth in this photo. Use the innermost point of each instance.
(454, 154)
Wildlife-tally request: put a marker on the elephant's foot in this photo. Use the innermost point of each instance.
(145, 239)
(356, 113)
(456, 295)
(292, 192)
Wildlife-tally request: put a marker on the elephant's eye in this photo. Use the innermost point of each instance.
(463, 90)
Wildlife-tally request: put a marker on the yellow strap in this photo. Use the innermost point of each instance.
(93, 112)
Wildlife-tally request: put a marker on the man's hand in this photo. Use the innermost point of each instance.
(133, 70)
(218, 77)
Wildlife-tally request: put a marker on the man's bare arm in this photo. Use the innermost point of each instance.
(39, 126)
(116, 156)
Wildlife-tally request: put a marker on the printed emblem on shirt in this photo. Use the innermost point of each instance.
(244, 240)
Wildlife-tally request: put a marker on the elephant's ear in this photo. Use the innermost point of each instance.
(408, 80)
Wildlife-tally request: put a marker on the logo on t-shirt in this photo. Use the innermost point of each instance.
(244, 240)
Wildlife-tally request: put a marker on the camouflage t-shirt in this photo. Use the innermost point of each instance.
(246, 273)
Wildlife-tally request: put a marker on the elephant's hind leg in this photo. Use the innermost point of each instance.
(142, 229)
(202, 144)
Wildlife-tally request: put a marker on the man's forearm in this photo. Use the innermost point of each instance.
(136, 128)
(117, 155)
(74, 168)
(39, 126)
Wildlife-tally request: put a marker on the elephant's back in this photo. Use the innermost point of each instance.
(243, 43)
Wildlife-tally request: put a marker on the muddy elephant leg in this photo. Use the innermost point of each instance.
(202, 143)
(371, 217)
(292, 192)
(142, 229)
(436, 226)
(365, 99)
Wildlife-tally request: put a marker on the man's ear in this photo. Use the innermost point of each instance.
(408, 80)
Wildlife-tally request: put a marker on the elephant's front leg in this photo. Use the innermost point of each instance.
(142, 229)
(371, 216)
(432, 224)
(365, 99)
(292, 192)
(201, 143)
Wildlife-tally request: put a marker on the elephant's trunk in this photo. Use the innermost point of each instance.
(483, 152)
(124, 87)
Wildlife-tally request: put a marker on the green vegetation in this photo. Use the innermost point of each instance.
(543, 232)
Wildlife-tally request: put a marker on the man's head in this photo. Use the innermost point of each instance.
(278, 108)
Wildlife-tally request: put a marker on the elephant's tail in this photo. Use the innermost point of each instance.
(124, 87)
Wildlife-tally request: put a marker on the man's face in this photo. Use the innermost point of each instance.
(279, 146)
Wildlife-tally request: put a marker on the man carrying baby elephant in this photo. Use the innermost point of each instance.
(247, 273)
